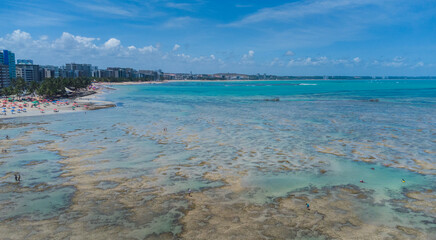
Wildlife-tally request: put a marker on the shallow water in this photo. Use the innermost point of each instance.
(321, 134)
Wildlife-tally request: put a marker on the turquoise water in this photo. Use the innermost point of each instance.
(228, 127)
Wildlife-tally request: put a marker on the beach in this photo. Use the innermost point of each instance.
(24, 108)
(183, 160)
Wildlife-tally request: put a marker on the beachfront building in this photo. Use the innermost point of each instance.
(48, 71)
(116, 72)
(150, 75)
(24, 61)
(75, 70)
(4, 76)
(8, 58)
(29, 72)
(169, 76)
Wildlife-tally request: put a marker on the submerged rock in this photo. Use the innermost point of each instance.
(273, 99)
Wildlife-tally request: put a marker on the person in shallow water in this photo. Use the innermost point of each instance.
(307, 206)
(403, 180)
(7, 137)
(189, 192)
(362, 181)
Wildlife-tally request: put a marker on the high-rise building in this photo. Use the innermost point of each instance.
(78, 70)
(49, 71)
(4, 76)
(24, 61)
(29, 72)
(8, 58)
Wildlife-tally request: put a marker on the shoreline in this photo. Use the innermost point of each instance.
(85, 103)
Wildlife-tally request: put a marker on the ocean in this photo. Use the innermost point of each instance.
(252, 153)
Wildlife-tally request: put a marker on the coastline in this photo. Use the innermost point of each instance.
(85, 103)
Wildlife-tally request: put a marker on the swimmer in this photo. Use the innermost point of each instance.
(307, 206)
(362, 181)
(403, 180)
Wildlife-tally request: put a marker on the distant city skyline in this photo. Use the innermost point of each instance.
(310, 37)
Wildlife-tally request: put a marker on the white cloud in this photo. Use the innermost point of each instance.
(179, 22)
(181, 6)
(300, 9)
(69, 47)
(68, 41)
(212, 57)
(176, 46)
(277, 62)
(249, 55)
(19, 35)
(356, 60)
(148, 49)
(112, 43)
(317, 61)
(113, 10)
(289, 53)
(419, 64)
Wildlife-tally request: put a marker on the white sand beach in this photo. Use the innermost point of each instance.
(22, 108)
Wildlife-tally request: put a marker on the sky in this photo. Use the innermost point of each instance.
(305, 37)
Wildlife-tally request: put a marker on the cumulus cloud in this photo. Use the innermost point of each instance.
(69, 47)
(176, 47)
(289, 53)
(396, 62)
(19, 35)
(308, 61)
(277, 62)
(249, 55)
(112, 43)
(69, 41)
(148, 49)
(322, 61)
(419, 64)
(74, 48)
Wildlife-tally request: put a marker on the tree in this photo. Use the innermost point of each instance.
(32, 86)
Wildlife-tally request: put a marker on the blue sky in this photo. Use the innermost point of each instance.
(307, 37)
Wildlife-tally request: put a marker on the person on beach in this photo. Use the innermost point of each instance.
(307, 206)
(189, 192)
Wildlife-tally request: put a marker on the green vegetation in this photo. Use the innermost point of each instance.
(49, 87)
